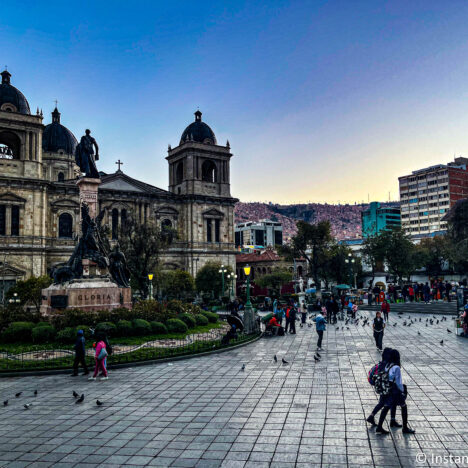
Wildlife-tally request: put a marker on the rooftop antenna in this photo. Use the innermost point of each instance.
(56, 102)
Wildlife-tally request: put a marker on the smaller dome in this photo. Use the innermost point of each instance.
(12, 99)
(56, 137)
(199, 132)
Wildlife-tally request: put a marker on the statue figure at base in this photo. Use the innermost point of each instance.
(118, 267)
(85, 157)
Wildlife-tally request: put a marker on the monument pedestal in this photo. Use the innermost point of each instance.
(87, 294)
(89, 193)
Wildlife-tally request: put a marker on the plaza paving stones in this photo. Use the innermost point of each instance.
(207, 412)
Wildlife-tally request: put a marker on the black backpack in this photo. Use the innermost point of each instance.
(382, 383)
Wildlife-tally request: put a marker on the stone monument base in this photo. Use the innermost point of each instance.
(86, 294)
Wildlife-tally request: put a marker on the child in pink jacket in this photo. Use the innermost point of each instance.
(99, 366)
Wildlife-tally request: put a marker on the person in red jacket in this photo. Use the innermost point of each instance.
(385, 309)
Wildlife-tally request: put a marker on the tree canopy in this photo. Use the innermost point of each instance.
(29, 292)
(274, 280)
(210, 279)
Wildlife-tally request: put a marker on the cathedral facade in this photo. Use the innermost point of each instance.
(39, 199)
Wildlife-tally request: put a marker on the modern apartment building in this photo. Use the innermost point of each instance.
(427, 194)
(377, 218)
(263, 233)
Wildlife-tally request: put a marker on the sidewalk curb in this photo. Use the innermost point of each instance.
(129, 364)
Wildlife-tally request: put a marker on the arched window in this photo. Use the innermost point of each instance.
(10, 145)
(65, 226)
(115, 223)
(60, 177)
(179, 173)
(123, 216)
(209, 172)
(166, 230)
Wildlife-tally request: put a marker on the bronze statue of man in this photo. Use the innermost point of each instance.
(85, 156)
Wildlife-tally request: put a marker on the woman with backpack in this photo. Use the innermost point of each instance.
(99, 358)
(381, 365)
(396, 394)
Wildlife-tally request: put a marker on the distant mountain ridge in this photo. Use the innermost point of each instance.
(345, 220)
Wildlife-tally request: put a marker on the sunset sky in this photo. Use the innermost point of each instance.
(321, 101)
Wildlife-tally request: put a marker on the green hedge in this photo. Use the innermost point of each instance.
(67, 335)
(211, 316)
(176, 326)
(18, 331)
(201, 319)
(106, 327)
(158, 328)
(124, 328)
(141, 327)
(43, 333)
(188, 319)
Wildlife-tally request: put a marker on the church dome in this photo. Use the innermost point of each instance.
(198, 131)
(56, 137)
(12, 99)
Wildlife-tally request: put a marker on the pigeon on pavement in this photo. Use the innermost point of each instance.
(99, 403)
(18, 394)
(450, 331)
(80, 400)
(243, 367)
(316, 359)
(35, 392)
(284, 361)
(5, 403)
(75, 394)
(27, 405)
(275, 358)
(442, 342)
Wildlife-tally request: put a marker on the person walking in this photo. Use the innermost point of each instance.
(292, 320)
(396, 396)
(385, 309)
(80, 354)
(99, 358)
(288, 322)
(378, 326)
(320, 327)
(303, 312)
(427, 293)
(381, 365)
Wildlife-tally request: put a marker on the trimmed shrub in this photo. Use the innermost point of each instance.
(176, 326)
(124, 328)
(152, 310)
(67, 335)
(200, 319)
(141, 327)
(158, 328)
(43, 334)
(211, 316)
(175, 307)
(106, 327)
(18, 331)
(188, 319)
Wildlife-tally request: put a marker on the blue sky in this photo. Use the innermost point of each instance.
(321, 101)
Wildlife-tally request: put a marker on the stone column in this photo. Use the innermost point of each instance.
(89, 194)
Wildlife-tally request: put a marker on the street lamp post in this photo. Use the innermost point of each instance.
(150, 277)
(222, 270)
(250, 325)
(350, 261)
(232, 277)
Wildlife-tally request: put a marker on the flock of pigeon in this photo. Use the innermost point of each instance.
(366, 322)
(78, 399)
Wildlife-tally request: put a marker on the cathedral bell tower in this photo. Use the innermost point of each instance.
(20, 133)
(199, 165)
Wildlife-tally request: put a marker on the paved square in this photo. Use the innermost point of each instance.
(207, 412)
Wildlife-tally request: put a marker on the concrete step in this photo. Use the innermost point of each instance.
(440, 308)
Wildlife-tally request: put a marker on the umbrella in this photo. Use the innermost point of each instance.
(233, 320)
(343, 286)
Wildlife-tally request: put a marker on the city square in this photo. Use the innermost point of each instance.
(234, 234)
(207, 412)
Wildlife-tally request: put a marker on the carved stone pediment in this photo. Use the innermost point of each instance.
(213, 213)
(10, 197)
(65, 204)
(166, 211)
(7, 269)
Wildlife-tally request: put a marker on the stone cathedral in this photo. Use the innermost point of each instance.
(39, 203)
